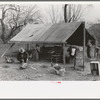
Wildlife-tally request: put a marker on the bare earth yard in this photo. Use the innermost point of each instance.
(11, 72)
(39, 73)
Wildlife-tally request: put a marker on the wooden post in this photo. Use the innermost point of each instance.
(84, 41)
(64, 54)
(7, 50)
(27, 47)
(95, 50)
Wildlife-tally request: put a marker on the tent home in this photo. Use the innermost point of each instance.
(61, 34)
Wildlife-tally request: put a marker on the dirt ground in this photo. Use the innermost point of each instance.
(41, 71)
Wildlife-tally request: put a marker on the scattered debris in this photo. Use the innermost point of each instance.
(38, 76)
(28, 78)
(23, 65)
(44, 66)
(57, 67)
(33, 68)
(58, 70)
(9, 60)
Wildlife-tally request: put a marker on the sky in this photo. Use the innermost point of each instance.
(91, 15)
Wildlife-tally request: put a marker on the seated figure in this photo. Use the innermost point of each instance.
(22, 56)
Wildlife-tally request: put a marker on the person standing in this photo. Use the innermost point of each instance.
(35, 52)
(89, 45)
(67, 55)
(97, 53)
(72, 53)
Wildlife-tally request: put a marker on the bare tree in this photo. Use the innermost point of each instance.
(75, 12)
(16, 16)
(54, 14)
(66, 12)
(5, 8)
(23, 16)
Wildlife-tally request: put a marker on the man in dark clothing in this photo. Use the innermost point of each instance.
(22, 56)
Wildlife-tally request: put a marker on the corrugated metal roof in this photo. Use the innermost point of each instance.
(58, 32)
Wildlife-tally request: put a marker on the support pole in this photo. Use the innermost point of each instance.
(7, 50)
(27, 47)
(64, 54)
(95, 50)
(84, 41)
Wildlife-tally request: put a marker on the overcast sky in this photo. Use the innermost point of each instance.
(92, 15)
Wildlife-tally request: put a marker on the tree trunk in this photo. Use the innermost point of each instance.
(3, 32)
(65, 13)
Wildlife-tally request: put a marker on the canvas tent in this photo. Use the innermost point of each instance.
(62, 33)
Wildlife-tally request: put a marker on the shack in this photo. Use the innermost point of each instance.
(58, 35)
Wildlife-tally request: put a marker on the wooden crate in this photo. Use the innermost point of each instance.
(95, 67)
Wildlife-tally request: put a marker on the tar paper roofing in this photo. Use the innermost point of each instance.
(57, 33)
